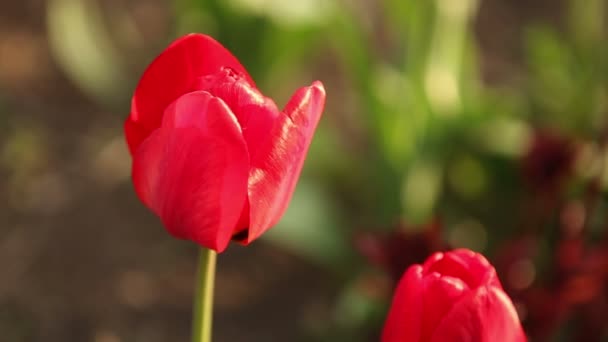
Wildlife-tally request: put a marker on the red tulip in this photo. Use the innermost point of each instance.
(454, 296)
(213, 157)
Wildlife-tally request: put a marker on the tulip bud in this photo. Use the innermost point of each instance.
(454, 296)
(212, 157)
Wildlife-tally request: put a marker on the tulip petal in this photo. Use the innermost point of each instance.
(473, 268)
(173, 73)
(255, 112)
(277, 162)
(440, 294)
(404, 320)
(484, 315)
(192, 172)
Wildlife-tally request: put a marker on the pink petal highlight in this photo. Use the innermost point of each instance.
(277, 162)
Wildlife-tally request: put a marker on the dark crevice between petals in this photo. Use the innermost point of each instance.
(241, 236)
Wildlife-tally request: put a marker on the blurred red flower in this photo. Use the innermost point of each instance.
(549, 161)
(213, 157)
(405, 245)
(454, 296)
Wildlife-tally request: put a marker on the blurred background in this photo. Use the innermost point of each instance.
(469, 123)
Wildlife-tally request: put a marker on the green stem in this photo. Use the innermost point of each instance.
(203, 301)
